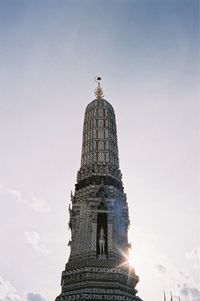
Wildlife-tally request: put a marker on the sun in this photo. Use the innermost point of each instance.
(131, 258)
(128, 259)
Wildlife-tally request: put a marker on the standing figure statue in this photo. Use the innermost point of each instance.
(102, 242)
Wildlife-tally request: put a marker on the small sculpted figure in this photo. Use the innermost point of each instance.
(102, 242)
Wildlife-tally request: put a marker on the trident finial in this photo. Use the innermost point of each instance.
(164, 295)
(98, 91)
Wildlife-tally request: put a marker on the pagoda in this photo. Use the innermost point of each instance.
(98, 267)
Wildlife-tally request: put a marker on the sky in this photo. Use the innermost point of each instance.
(147, 53)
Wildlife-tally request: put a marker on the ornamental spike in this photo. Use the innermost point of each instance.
(98, 91)
(164, 295)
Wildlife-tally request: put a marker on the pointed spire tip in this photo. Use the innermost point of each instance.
(98, 91)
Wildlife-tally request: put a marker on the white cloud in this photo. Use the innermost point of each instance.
(7, 291)
(190, 293)
(182, 280)
(14, 192)
(161, 269)
(194, 255)
(34, 203)
(33, 239)
(34, 297)
(185, 286)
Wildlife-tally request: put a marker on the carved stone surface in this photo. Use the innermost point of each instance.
(99, 219)
(99, 147)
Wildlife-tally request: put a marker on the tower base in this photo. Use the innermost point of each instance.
(90, 283)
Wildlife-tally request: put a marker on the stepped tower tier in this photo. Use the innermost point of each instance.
(97, 268)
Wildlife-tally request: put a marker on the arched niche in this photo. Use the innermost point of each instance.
(102, 235)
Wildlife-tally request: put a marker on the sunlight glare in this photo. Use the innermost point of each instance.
(131, 258)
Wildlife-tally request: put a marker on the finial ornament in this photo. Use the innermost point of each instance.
(98, 91)
(164, 295)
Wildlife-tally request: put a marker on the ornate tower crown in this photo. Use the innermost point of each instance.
(99, 147)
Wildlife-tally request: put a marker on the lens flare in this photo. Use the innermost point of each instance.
(128, 259)
(131, 258)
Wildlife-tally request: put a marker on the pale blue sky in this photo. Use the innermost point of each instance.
(147, 52)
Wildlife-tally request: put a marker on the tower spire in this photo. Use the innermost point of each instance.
(98, 91)
(99, 155)
(99, 217)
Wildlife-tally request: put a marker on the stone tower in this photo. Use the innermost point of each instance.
(97, 268)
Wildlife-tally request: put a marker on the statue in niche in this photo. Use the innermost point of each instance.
(102, 242)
